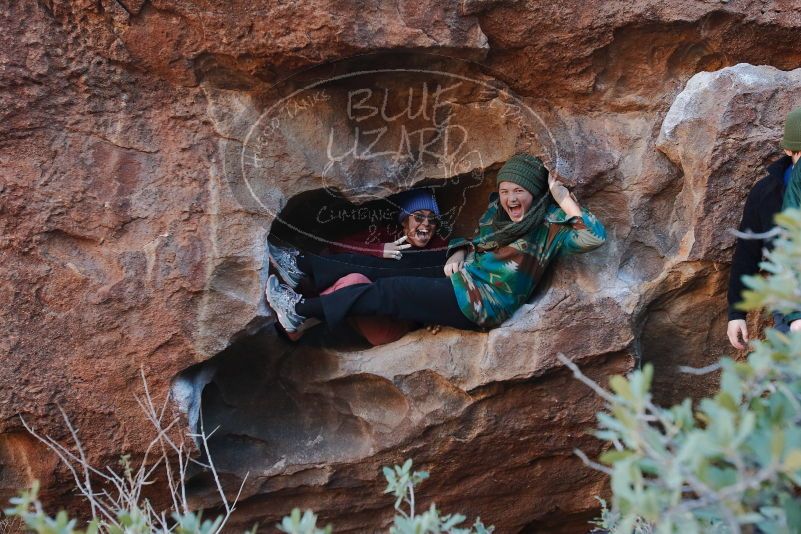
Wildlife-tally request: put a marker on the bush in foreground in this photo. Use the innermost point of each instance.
(134, 519)
(733, 463)
(401, 483)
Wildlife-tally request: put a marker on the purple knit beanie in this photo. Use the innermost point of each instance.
(413, 200)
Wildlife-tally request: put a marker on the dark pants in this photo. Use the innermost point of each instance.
(325, 270)
(420, 299)
(408, 298)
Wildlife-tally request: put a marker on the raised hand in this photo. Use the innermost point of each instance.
(558, 190)
(563, 197)
(394, 249)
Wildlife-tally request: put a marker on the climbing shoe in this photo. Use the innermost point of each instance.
(285, 262)
(282, 300)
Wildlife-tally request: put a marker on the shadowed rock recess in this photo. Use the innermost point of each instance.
(147, 147)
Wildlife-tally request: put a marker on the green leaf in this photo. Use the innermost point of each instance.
(776, 443)
(647, 378)
(792, 462)
(407, 465)
(727, 401)
(613, 456)
(621, 386)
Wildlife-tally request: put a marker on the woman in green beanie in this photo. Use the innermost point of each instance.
(530, 220)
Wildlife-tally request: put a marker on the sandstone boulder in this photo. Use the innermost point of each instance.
(143, 171)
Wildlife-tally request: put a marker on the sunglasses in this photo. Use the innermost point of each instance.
(420, 217)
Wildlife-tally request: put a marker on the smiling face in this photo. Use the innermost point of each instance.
(515, 200)
(419, 233)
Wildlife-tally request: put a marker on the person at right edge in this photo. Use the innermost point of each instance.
(779, 190)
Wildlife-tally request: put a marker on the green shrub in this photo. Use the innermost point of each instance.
(135, 519)
(733, 463)
(28, 508)
(115, 494)
(401, 482)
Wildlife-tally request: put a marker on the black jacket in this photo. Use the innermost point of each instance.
(763, 202)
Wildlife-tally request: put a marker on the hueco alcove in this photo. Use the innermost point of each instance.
(151, 147)
(319, 163)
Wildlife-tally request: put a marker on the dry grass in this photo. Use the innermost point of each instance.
(109, 490)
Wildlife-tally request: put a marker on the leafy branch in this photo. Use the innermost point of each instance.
(732, 463)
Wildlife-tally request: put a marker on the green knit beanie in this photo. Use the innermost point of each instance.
(792, 131)
(528, 171)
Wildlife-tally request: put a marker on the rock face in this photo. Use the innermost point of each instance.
(149, 148)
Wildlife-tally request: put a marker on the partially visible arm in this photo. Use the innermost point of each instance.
(795, 321)
(586, 233)
(483, 228)
(458, 244)
(794, 318)
(747, 255)
(562, 197)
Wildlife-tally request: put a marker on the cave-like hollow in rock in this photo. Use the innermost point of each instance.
(278, 407)
(151, 149)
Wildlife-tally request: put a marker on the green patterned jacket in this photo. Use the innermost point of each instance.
(494, 284)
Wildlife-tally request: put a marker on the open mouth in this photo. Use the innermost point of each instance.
(515, 212)
(422, 233)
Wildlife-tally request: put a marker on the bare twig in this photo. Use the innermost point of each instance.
(82, 454)
(773, 232)
(700, 370)
(64, 455)
(205, 443)
(126, 486)
(590, 463)
(601, 392)
(411, 498)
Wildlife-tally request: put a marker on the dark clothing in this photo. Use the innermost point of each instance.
(325, 270)
(763, 202)
(418, 291)
(781, 323)
(409, 298)
(310, 307)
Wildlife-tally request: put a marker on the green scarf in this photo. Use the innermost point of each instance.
(792, 193)
(503, 231)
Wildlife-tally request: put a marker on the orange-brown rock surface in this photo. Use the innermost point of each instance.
(148, 146)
